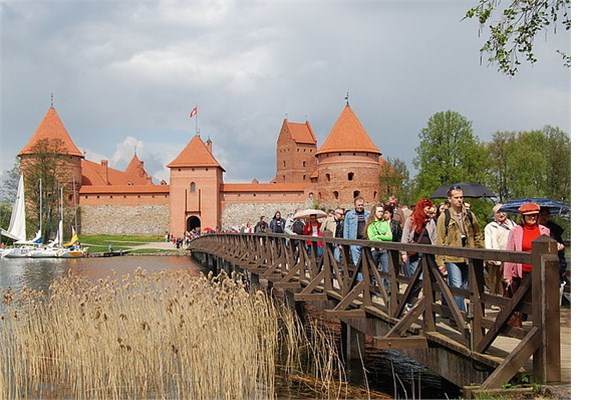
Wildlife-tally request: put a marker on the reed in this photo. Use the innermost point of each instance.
(160, 335)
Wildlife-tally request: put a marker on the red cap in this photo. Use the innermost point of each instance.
(529, 208)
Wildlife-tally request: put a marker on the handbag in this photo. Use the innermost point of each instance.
(414, 253)
(515, 320)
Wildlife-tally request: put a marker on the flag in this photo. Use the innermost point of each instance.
(194, 112)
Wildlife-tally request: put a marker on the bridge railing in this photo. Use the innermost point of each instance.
(295, 263)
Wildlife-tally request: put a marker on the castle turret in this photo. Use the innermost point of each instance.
(347, 163)
(296, 148)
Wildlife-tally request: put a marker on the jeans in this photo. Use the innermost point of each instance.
(355, 253)
(458, 277)
(409, 270)
(381, 259)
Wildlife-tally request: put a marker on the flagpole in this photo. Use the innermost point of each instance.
(197, 132)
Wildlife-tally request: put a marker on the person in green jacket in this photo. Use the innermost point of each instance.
(378, 229)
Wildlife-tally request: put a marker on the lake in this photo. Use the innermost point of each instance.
(381, 365)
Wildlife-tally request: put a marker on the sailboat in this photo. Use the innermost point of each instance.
(17, 228)
(51, 249)
(73, 249)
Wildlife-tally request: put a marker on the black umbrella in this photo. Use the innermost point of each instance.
(469, 190)
(556, 207)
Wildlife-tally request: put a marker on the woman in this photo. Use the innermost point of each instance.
(313, 228)
(277, 224)
(378, 229)
(520, 238)
(420, 228)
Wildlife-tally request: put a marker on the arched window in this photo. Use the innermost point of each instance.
(350, 176)
(375, 195)
(284, 164)
(193, 187)
(355, 194)
(304, 163)
(328, 177)
(336, 195)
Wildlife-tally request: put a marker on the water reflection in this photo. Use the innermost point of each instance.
(39, 273)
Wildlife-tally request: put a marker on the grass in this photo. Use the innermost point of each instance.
(161, 335)
(100, 243)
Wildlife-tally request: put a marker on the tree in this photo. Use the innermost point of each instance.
(46, 170)
(394, 180)
(531, 164)
(514, 33)
(448, 153)
(10, 183)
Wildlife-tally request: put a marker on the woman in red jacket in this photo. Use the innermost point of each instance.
(520, 238)
(313, 228)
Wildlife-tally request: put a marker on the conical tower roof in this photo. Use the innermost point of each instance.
(51, 128)
(348, 134)
(195, 154)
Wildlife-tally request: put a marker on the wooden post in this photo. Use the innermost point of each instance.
(546, 309)
(352, 343)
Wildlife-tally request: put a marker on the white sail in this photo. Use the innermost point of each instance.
(16, 229)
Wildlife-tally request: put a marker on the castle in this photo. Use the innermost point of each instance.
(127, 202)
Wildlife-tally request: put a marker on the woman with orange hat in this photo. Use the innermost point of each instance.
(520, 238)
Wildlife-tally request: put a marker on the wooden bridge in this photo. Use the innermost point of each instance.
(478, 348)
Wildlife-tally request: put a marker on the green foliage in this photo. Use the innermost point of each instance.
(512, 34)
(448, 153)
(395, 180)
(531, 164)
(9, 183)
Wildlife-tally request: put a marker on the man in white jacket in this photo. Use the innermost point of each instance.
(496, 238)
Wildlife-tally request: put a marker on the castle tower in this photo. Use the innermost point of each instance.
(347, 163)
(52, 156)
(296, 149)
(195, 181)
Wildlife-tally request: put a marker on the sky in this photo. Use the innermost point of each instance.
(124, 76)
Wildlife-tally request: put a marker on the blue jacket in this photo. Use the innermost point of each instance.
(351, 223)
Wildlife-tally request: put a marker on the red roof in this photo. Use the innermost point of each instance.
(51, 128)
(348, 135)
(136, 173)
(301, 132)
(195, 154)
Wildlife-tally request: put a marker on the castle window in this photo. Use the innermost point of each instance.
(336, 195)
(304, 163)
(284, 178)
(303, 177)
(284, 164)
(375, 195)
(355, 194)
(350, 176)
(328, 177)
(193, 187)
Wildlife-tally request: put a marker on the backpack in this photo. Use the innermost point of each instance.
(447, 219)
(298, 227)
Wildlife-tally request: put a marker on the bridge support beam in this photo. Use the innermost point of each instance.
(352, 343)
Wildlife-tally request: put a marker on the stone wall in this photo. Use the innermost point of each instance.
(235, 215)
(143, 220)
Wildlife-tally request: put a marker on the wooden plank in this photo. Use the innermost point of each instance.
(310, 297)
(399, 343)
(515, 360)
(341, 314)
(287, 285)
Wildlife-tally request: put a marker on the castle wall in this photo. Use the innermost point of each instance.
(143, 220)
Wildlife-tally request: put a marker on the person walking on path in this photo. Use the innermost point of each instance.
(520, 238)
(277, 224)
(457, 227)
(420, 228)
(378, 229)
(496, 238)
(261, 226)
(354, 226)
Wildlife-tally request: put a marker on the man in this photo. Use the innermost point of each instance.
(496, 238)
(400, 213)
(457, 227)
(354, 226)
(333, 226)
(261, 226)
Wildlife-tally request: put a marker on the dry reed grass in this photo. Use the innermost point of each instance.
(161, 335)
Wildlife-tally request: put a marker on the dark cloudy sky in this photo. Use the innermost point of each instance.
(126, 74)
